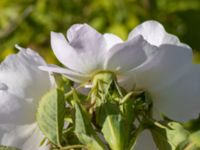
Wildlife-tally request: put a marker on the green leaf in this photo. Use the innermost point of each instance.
(50, 115)
(169, 136)
(114, 132)
(85, 131)
(7, 148)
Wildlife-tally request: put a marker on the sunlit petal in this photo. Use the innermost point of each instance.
(85, 50)
(66, 54)
(154, 33)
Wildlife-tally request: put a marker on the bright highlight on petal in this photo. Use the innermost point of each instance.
(154, 33)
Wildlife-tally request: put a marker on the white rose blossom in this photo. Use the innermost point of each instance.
(151, 59)
(22, 85)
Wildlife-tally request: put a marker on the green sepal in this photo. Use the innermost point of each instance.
(62, 82)
(114, 132)
(50, 115)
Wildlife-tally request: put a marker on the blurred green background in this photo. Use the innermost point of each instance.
(29, 22)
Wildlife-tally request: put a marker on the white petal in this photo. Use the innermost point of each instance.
(181, 99)
(72, 32)
(3, 129)
(34, 141)
(84, 52)
(22, 85)
(154, 33)
(20, 72)
(30, 56)
(126, 81)
(145, 142)
(26, 137)
(89, 44)
(74, 76)
(111, 40)
(15, 110)
(123, 57)
(173, 81)
(167, 64)
(66, 54)
(17, 135)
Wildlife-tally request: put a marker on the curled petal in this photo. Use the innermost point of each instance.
(89, 44)
(72, 32)
(126, 56)
(154, 33)
(84, 51)
(66, 54)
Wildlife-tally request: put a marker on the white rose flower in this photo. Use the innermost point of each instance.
(21, 86)
(151, 59)
(86, 52)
